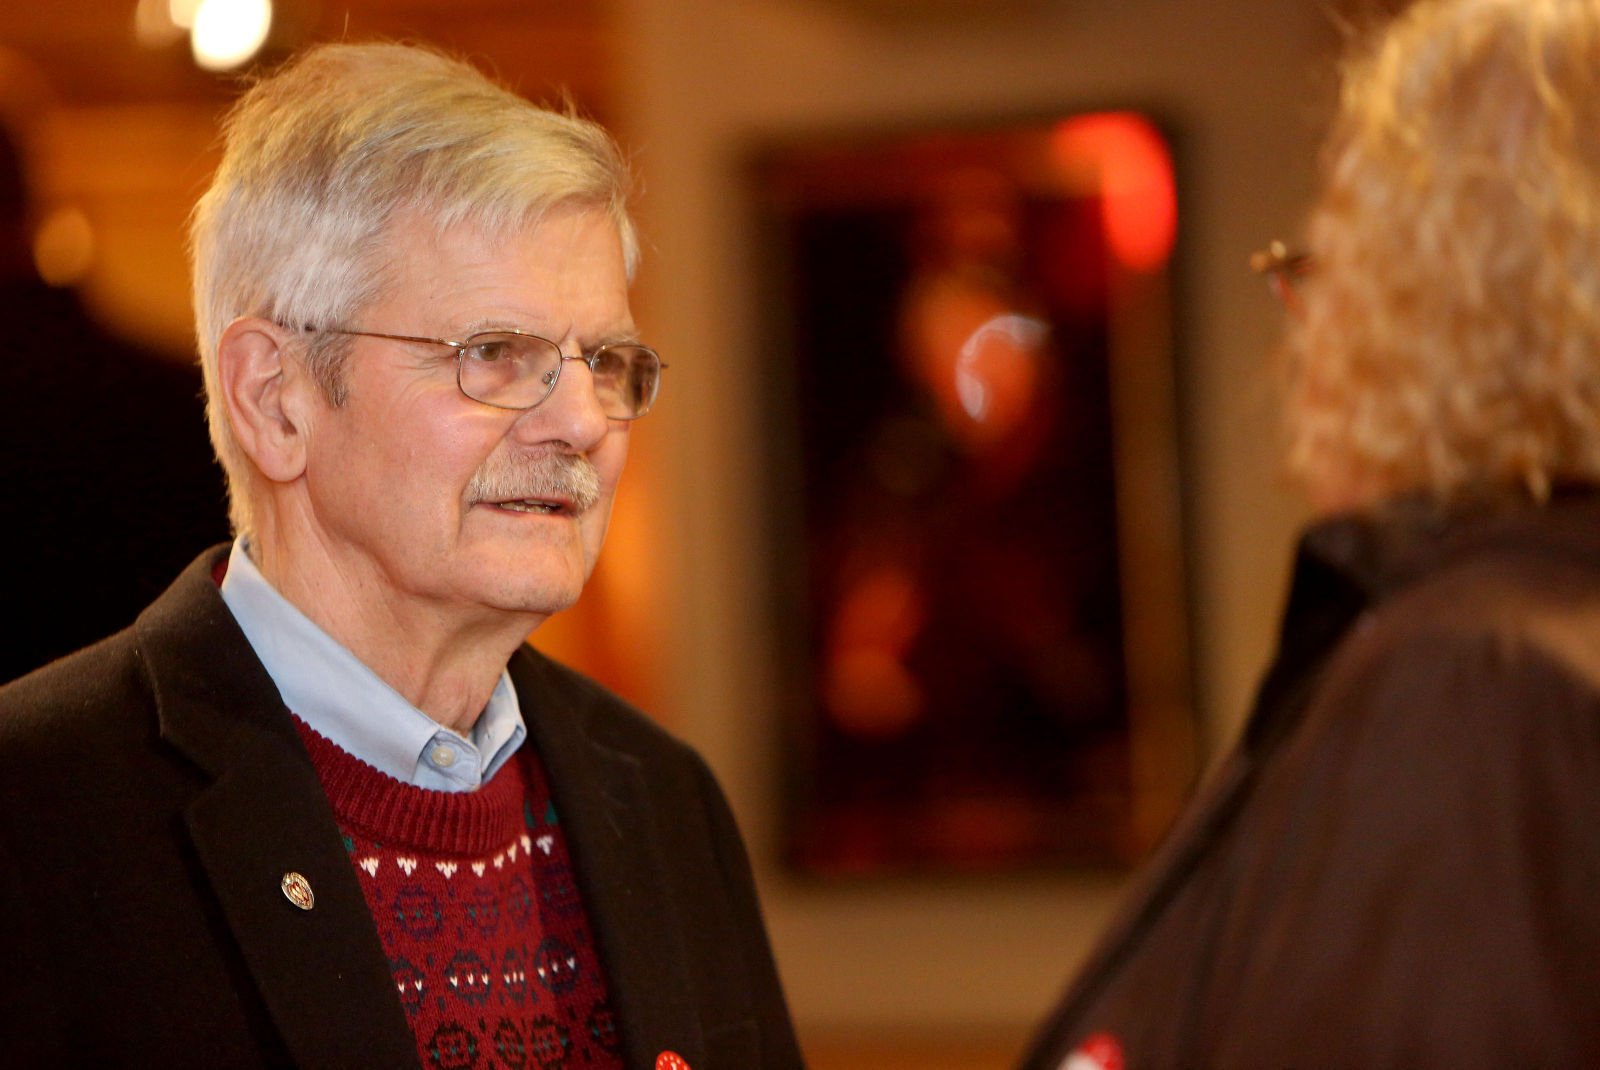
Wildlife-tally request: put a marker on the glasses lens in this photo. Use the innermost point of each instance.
(626, 378)
(513, 371)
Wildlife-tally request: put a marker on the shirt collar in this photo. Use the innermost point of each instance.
(326, 686)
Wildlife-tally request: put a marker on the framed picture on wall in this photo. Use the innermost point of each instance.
(976, 544)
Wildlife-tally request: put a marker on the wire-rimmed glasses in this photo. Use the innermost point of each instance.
(1284, 268)
(513, 369)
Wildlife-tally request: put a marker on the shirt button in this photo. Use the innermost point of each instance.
(442, 756)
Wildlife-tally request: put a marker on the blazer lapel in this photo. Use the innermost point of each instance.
(320, 971)
(602, 803)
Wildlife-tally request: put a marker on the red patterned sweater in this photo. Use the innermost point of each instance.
(474, 900)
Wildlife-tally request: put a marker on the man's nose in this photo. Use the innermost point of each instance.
(570, 413)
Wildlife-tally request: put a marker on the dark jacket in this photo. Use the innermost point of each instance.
(156, 793)
(1397, 865)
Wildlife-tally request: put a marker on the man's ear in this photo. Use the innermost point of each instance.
(262, 389)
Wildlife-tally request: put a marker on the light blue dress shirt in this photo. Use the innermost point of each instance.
(327, 687)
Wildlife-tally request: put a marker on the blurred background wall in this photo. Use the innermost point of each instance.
(926, 973)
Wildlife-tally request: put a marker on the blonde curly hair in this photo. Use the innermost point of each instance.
(1450, 335)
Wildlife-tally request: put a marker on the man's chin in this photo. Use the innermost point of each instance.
(529, 578)
(540, 597)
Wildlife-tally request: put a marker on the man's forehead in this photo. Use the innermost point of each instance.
(479, 274)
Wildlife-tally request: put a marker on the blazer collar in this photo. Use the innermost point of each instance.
(599, 787)
(1345, 565)
(321, 972)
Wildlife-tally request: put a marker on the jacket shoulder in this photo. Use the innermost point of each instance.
(1512, 605)
(73, 700)
(106, 692)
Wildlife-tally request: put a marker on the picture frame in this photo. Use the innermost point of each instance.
(967, 332)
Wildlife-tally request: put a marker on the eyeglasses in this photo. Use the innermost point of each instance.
(516, 370)
(1284, 268)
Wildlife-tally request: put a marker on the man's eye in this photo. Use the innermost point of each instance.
(488, 351)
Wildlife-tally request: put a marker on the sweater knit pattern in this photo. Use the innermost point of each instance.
(480, 918)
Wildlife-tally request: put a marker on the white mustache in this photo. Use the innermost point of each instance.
(563, 476)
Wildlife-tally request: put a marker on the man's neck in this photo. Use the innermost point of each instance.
(444, 660)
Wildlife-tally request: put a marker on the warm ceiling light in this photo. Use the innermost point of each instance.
(227, 33)
(182, 12)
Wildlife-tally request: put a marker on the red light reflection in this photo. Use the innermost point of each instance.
(1134, 173)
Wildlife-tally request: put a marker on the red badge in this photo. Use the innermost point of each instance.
(1101, 1051)
(671, 1060)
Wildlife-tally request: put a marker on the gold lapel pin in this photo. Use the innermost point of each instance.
(297, 890)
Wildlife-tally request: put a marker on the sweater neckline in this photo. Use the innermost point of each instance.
(370, 803)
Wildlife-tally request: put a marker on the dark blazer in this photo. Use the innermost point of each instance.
(156, 793)
(1396, 865)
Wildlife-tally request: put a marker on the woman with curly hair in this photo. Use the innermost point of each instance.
(1396, 865)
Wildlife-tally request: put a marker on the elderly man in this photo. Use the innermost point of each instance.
(320, 805)
(1396, 866)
